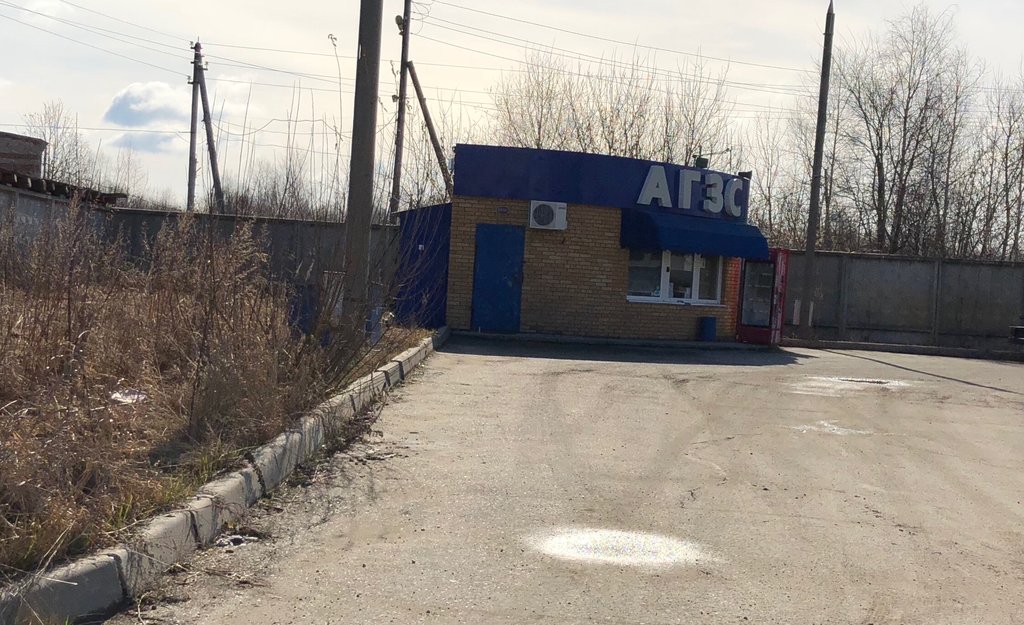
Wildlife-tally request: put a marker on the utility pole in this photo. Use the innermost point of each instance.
(438, 150)
(814, 216)
(197, 62)
(396, 181)
(211, 145)
(361, 167)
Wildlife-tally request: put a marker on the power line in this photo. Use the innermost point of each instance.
(278, 50)
(263, 129)
(110, 33)
(571, 73)
(753, 106)
(233, 62)
(279, 86)
(114, 34)
(89, 45)
(117, 19)
(591, 58)
(228, 62)
(349, 57)
(326, 78)
(99, 128)
(598, 59)
(624, 43)
(350, 92)
(103, 32)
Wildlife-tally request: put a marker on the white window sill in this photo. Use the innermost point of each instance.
(638, 299)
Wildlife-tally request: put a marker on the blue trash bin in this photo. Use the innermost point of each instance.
(707, 329)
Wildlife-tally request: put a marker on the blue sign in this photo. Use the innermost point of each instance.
(598, 180)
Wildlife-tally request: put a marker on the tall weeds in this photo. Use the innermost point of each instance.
(125, 382)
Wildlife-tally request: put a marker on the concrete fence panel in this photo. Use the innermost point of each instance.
(890, 294)
(980, 299)
(828, 272)
(893, 299)
(298, 250)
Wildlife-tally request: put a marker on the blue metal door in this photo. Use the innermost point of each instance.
(498, 278)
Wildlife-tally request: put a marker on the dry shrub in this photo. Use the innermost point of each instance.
(198, 331)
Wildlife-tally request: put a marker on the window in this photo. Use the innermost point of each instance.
(680, 275)
(674, 277)
(758, 286)
(644, 274)
(710, 278)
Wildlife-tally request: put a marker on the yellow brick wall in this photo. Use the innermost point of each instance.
(575, 281)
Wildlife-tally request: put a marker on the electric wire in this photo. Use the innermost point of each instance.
(567, 72)
(590, 58)
(94, 47)
(99, 128)
(96, 30)
(123, 21)
(624, 43)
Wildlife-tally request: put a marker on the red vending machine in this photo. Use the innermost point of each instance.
(763, 299)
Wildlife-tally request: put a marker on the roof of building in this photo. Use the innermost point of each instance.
(45, 186)
(26, 139)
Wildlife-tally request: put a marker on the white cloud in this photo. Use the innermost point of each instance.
(147, 104)
(146, 142)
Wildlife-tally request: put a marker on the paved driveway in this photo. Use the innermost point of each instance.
(565, 485)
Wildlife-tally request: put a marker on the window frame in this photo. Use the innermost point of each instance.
(666, 298)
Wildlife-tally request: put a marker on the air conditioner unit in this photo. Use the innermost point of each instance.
(547, 215)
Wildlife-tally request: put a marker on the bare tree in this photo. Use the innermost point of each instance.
(623, 108)
(894, 86)
(1005, 154)
(702, 111)
(68, 157)
(769, 135)
(535, 107)
(422, 181)
(129, 176)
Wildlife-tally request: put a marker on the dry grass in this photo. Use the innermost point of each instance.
(199, 331)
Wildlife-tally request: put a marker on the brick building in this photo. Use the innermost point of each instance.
(21, 154)
(547, 242)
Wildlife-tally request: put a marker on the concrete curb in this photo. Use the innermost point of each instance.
(922, 350)
(558, 339)
(97, 585)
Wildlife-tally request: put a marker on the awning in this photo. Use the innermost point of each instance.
(654, 231)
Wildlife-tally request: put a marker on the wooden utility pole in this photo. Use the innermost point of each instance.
(814, 215)
(211, 145)
(199, 92)
(396, 180)
(361, 167)
(197, 62)
(438, 150)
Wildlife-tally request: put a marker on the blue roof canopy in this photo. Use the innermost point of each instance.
(597, 180)
(653, 231)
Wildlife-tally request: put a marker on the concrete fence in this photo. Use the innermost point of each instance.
(299, 250)
(893, 299)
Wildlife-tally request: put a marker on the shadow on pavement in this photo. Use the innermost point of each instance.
(922, 372)
(614, 353)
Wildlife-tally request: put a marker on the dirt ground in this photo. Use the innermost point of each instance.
(567, 484)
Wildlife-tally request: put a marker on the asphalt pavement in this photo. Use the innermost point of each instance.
(546, 484)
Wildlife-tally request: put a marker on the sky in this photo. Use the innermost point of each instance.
(122, 65)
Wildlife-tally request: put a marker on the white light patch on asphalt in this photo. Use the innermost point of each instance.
(605, 546)
(829, 428)
(837, 387)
